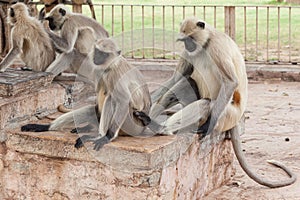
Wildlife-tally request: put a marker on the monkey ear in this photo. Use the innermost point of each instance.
(201, 24)
(62, 12)
(119, 52)
(12, 12)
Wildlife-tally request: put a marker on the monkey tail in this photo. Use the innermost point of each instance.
(236, 143)
(63, 109)
(91, 5)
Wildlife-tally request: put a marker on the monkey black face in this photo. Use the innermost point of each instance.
(189, 43)
(51, 23)
(100, 56)
(201, 24)
(62, 12)
(11, 12)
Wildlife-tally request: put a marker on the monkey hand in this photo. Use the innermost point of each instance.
(203, 129)
(46, 25)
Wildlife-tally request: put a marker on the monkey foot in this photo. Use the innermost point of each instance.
(81, 140)
(84, 129)
(203, 130)
(35, 127)
(100, 143)
(25, 68)
(145, 119)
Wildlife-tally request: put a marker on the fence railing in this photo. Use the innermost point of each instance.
(267, 34)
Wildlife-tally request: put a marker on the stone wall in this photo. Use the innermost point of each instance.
(47, 166)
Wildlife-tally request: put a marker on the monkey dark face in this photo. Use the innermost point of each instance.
(17, 11)
(51, 23)
(105, 51)
(189, 43)
(100, 56)
(194, 34)
(11, 12)
(57, 17)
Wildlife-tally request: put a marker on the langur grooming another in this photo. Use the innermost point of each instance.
(121, 91)
(74, 35)
(29, 40)
(219, 71)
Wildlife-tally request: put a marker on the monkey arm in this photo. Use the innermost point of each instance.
(66, 42)
(185, 91)
(183, 69)
(196, 113)
(61, 63)
(113, 116)
(228, 86)
(12, 54)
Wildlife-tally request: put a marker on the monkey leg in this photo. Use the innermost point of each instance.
(86, 128)
(228, 119)
(79, 116)
(35, 127)
(9, 58)
(183, 69)
(185, 91)
(85, 114)
(194, 113)
(61, 63)
(111, 120)
(236, 143)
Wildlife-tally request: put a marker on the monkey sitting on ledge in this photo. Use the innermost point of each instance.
(214, 62)
(29, 40)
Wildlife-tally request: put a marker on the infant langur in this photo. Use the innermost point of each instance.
(121, 92)
(29, 40)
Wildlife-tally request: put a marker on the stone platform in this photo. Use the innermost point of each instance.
(48, 166)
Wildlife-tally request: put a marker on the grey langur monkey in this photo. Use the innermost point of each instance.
(74, 37)
(29, 40)
(218, 68)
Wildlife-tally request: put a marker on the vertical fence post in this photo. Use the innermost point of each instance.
(230, 21)
(77, 8)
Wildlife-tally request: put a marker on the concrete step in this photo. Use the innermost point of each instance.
(161, 167)
(25, 95)
(17, 109)
(14, 82)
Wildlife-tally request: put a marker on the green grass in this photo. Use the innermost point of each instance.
(122, 19)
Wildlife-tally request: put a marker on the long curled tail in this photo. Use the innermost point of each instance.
(236, 143)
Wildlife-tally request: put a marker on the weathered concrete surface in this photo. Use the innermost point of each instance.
(18, 82)
(271, 132)
(47, 166)
(16, 109)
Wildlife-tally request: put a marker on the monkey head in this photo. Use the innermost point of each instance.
(105, 51)
(16, 12)
(57, 17)
(195, 35)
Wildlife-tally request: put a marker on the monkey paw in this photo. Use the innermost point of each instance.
(84, 129)
(26, 68)
(99, 143)
(78, 143)
(35, 128)
(145, 119)
(81, 140)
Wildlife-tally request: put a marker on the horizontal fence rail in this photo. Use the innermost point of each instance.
(266, 34)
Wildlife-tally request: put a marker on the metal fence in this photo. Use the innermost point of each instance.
(266, 34)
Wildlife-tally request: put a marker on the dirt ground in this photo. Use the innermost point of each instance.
(272, 132)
